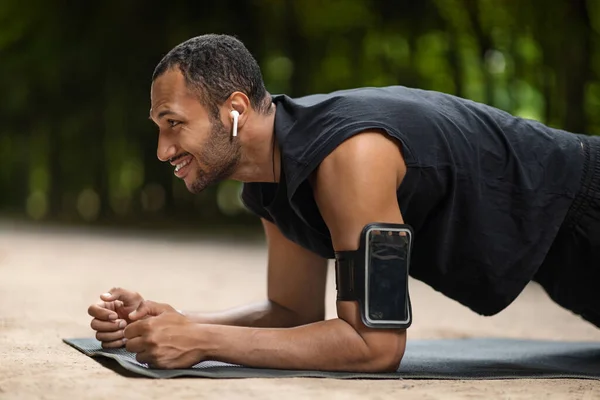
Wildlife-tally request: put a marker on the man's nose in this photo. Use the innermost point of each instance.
(166, 148)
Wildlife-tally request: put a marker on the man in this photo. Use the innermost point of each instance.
(494, 201)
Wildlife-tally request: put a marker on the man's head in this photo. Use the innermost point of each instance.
(194, 89)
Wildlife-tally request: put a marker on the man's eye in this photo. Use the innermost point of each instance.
(173, 123)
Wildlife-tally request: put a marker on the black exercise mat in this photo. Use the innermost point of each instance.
(424, 359)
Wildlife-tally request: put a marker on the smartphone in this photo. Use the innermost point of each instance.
(387, 300)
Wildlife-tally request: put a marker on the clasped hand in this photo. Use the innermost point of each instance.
(158, 334)
(168, 340)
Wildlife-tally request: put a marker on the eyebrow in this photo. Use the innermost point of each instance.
(162, 114)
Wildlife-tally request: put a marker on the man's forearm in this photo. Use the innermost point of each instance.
(332, 345)
(266, 314)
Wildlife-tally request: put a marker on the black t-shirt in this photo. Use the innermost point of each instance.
(485, 192)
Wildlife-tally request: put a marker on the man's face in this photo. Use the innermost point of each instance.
(198, 146)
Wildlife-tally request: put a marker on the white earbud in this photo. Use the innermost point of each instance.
(235, 116)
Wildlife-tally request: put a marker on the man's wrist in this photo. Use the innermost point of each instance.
(207, 340)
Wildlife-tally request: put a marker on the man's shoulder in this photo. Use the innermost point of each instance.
(394, 106)
(311, 126)
(350, 95)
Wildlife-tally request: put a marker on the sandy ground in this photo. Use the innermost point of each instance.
(48, 277)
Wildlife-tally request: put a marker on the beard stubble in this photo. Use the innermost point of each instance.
(220, 157)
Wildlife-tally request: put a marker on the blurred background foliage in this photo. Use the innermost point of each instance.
(76, 144)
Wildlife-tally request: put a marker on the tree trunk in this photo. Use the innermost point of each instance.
(577, 48)
(485, 44)
(297, 49)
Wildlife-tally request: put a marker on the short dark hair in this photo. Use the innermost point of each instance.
(216, 66)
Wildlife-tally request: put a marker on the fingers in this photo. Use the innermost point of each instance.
(110, 333)
(114, 345)
(145, 308)
(120, 294)
(134, 329)
(135, 345)
(110, 336)
(143, 357)
(149, 308)
(99, 311)
(107, 326)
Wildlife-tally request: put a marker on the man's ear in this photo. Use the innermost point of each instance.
(239, 102)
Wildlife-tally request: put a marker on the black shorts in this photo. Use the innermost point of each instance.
(570, 273)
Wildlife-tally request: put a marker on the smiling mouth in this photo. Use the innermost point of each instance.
(180, 167)
(182, 164)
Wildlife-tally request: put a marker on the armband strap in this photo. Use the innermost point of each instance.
(381, 260)
(350, 275)
(350, 267)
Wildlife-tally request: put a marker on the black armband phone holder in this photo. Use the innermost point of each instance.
(376, 275)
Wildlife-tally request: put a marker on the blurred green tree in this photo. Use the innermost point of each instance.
(76, 144)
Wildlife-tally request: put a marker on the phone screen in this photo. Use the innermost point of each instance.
(387, 276)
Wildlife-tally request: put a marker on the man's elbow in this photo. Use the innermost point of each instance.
(387, 362)
(385, 355)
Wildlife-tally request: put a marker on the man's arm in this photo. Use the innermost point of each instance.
(296, 283)
(353, 186)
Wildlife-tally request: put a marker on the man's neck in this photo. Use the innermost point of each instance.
(260, 150)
